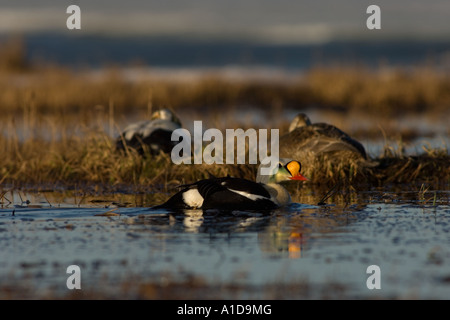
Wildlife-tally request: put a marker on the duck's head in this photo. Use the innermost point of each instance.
(165, 114)
(284, 170)
(300, 120)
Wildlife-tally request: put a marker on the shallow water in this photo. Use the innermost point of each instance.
(315, 251)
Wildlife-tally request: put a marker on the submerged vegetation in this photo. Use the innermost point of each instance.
(58, 125)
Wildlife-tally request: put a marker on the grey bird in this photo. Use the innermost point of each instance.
(154, 134)
(318, 138)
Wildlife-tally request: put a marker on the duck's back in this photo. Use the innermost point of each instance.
(319, 138)
(154, 133)
(225, 193)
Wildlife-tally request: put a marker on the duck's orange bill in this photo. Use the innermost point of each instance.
(299, 176)
(294, 168)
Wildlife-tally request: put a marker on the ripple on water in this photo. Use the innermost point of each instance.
(304, 244)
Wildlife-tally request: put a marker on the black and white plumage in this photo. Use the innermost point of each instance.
(318, 138)
(154, 134)
(228, 193)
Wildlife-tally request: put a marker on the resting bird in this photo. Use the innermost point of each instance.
(154, 134)
(317, 138)
(230, 193)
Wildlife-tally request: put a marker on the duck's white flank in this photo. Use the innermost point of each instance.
(193, 198)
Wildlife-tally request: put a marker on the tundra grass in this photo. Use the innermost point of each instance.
(57, 125)
(92, 159)
(46, 88)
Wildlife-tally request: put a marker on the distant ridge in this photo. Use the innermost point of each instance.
(177, 52)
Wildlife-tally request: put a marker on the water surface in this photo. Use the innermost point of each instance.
(315, 251)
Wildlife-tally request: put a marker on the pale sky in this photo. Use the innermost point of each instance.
(270, 21)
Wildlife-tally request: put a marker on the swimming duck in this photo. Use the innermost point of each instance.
(317, 138)
(228, 193)
(154, 134)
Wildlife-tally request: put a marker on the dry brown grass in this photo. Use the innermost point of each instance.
(58, 91)
(50, 89)
(13, 55)
(92, 160)
(389, 91)
(57, 124)
(392, 167)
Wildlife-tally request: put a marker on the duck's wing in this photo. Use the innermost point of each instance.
(344, 141)
(159, 139)
(157, 124)
(224, 194)
(328, 145)
(135, 128)
(238, 194)
(299, 135)
(320, 138)
(244, 187)
(147, 127)
(155, 133)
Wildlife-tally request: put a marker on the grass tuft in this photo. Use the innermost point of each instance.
(57, 125)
